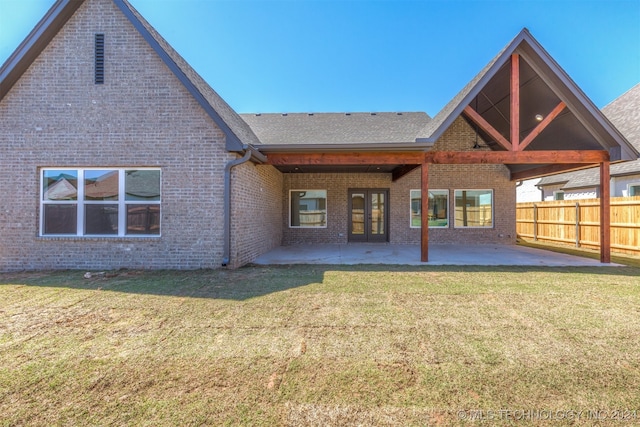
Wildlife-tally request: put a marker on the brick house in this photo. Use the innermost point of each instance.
(120, 155)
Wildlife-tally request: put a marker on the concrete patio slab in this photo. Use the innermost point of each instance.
(363, 253)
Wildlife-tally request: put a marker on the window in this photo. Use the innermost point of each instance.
(473, 208)
(633, 190)
(308, 208)
(100, 202)
(438, 208)
(558, 195)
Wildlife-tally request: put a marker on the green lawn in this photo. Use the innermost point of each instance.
(320, 345)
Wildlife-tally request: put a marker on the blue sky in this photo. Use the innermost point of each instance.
(360, 55)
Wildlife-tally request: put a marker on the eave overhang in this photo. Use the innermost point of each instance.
(348, 147)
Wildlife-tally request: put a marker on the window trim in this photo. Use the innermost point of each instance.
(555, 193)
(326, 209)
(446, 190)
(81, 203)
(492, 209)
(633, 184)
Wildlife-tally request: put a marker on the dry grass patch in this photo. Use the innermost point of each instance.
(317, 345)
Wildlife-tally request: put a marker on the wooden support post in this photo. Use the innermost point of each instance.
(605, 213)
(424, 213)
(515, 101)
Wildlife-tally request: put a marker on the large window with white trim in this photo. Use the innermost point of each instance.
(633, 189)
(100, 202)
(308, 208)
(438, 208)
(473, 208)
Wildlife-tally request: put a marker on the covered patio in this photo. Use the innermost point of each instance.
(450, 254)
(528, 117)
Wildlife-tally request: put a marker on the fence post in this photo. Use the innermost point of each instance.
(577, 224)
(535, 222)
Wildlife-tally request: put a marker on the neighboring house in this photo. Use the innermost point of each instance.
(119, 155)
(528, 191)
(624, 113)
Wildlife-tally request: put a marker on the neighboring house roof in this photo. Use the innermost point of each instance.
(624, 113)
(237, 131)
(336, 128)
(576, 179)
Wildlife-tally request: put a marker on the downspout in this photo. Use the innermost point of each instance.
(249, 153)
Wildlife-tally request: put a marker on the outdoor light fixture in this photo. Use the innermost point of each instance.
(539, 117)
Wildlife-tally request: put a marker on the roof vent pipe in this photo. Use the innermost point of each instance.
(227, 203)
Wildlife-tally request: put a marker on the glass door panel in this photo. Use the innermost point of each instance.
(377, 213)
(368, 216)
(358, 214)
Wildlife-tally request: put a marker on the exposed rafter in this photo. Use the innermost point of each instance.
(515, 101)
(542, 125)
(439, 157)
(485, 126)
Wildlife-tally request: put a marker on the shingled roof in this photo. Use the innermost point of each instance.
(624, 113)
(336, 128)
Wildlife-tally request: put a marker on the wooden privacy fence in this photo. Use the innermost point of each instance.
(578, 222)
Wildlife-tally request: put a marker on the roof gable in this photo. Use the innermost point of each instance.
(238, 134)
(585, 123)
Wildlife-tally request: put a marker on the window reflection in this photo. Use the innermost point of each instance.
(143, 219)
(142, 185)
(474, 208)
(60, 219)
(101, 219)
(308, 208)
(60, 185)
(101, 185)
(438, 207)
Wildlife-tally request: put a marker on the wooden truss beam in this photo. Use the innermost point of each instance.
(516, 157)
(515, 101)
(476, 118)
(347, 158)
(514, 144)
(542, 125)
(438, 157)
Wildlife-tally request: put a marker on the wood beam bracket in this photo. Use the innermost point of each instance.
(542, 125)
(476, 118)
